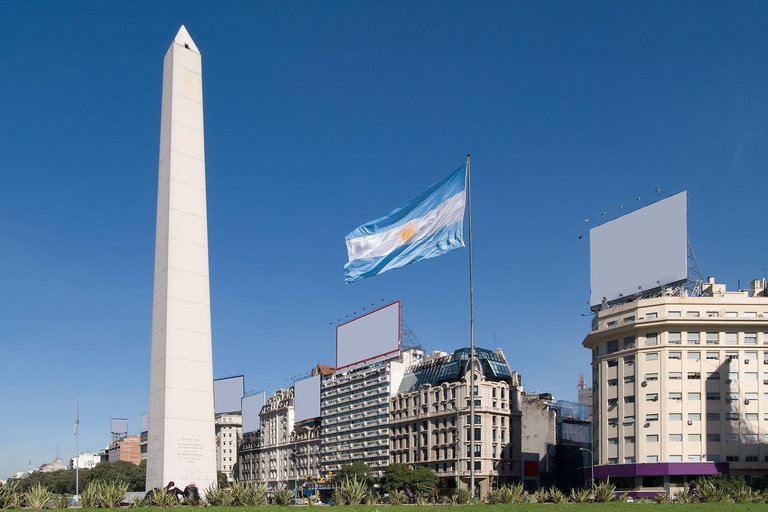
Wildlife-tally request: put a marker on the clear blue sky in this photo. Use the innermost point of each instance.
(320, 116)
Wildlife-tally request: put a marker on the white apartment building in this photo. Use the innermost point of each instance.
(355, 413)
(680, 388)
(85, 460)
(229, 432)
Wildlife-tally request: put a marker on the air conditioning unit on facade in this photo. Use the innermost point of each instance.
(690, 422)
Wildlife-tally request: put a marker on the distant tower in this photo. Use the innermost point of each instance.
(582, 384)
(181, 443)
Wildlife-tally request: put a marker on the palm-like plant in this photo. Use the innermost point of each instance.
(89, 496)
(283, 497)
(38, 496)
(10, 496)
(605, 491)
(111, 493)
(397, 497)
(581, 496)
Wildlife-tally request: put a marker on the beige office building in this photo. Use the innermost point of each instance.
(681, 387)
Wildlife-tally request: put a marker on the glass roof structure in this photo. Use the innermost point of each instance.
(452, 368)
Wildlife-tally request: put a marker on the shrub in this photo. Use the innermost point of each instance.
(88, 496)
(744, 495)
(38, 496)
(283, 497)
(10, 496)
(160, 498)
(557, 496)
(61, 501)
(352, 491)
(581, 496)
(398, 497)
(372, 498)
(605, 491)
(709, 492)
(216, 496)
(111, 493)
(662, 498)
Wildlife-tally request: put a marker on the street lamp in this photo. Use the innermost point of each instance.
(458, 445)
(295, 440)
(591, 465)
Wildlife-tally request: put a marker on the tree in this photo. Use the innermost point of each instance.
(357, 470)
(221, 479)
(397, 477)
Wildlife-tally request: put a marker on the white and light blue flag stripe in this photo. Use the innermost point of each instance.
(428, 225)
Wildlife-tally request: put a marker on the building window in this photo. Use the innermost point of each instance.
(750, 338)
(613, 362)
(750, 416)
(693, 338)
(652, 356)
(713, 355)
(692, 314)
(614, 441)
(732, 376)
(675, 375)
(731, 438)
(629, 360)
(613, 382)
(651, 376)
(612, 346)
(713, 438)
(713, 375)
(694, 375)
(695, 356)
(629, 342)
(652, 438)
(713, 338)
(694, 437)
(731, 338)
(675, 355)
(651, 339)
(629, 379)
(694, 458)
(673, 314)
(675, 458)
(694, 416)
(694, 396)
(713, 396)
(731, 416)
(629, 399)
(651, 316)
(675, 396)
(750, 376)
(713, 416)
(674, 338)
(713, 314)
(651, 417)
(652, 458)
(651, 397)
(675, 416)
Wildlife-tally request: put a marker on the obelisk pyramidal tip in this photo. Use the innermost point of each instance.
(181, 438)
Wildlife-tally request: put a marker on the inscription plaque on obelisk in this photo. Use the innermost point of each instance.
(181, 443)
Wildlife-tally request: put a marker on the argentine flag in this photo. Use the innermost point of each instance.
(428, 225)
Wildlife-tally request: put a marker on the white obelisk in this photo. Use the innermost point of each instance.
(181, 444)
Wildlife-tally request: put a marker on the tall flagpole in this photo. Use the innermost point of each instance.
(77, 446)
(472, 351)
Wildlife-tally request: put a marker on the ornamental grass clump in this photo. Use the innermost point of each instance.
(581, 495)
(398, 497)
(215, 496)
(111, 493)
(10, 496)
(352, 490)
(557, 496)
(283, 497)
(38, 496)
(88, 496)
(605, 491)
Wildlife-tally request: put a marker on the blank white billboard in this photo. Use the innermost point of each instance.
(252, 405)
(119, 425)
(306, 398)
(228, 394)
(642, 250)
(369, 337)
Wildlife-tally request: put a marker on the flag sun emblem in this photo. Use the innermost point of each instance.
(407, 232)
